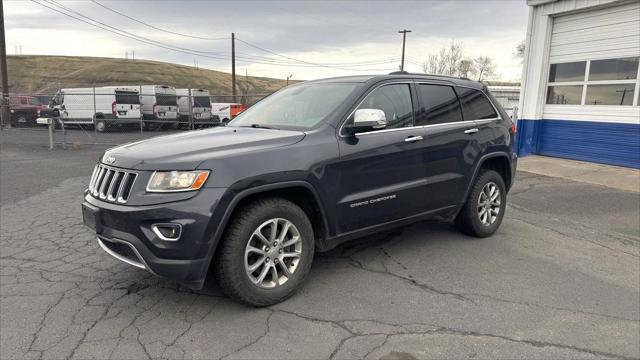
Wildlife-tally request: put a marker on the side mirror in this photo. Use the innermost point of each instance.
(367, 120)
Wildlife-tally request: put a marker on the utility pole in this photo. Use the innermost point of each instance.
(289, 77)
(6, 112)
(404, 39)
(233, 65)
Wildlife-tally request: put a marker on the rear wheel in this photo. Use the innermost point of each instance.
(266, 253)
(101, 125)
(483, 212)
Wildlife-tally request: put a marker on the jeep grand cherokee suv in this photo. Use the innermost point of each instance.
(305, 169)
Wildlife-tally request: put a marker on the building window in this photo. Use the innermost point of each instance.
(595, 82)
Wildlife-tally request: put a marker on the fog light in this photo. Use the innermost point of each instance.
(167, 232)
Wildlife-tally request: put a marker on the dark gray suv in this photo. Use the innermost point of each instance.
(305, 169)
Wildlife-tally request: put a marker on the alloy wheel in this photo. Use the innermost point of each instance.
(273, 253)
(489, 204)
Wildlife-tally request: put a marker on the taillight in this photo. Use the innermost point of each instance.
(113, 108)
(514, 129)
(155, 109)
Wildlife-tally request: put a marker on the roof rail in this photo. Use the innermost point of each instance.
(424, 74)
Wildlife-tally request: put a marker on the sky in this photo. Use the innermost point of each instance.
(302, 39)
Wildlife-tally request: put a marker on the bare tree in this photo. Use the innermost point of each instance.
(454, 56)
(444, 62)
(484, 66)
(520, 49)
(466, 68)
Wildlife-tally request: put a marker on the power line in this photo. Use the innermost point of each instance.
(155, 27)
(205, 54)
(303, 61)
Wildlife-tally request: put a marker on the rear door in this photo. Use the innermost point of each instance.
(449, 145)
(381, 172)
(127, 104)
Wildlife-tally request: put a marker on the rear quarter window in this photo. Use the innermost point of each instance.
(475, 104)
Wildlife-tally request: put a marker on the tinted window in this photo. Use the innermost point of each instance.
(620, 94)
(395, 101)
(613, 69)
(573, 71)
(166, 100)
(565, 94)
(201, 101)
(475, 104)
(127, 97)
(440, 104)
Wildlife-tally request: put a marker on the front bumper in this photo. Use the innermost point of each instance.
(125, 232)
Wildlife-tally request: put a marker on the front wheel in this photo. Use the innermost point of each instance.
(482, 214)
(266, 253)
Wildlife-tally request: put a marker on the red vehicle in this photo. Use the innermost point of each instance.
(25, 109)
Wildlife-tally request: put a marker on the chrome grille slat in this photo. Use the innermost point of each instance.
(114, 181)
(93, 177)
(111, 184)
(102, 193)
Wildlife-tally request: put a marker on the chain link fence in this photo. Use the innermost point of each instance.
(118, 114)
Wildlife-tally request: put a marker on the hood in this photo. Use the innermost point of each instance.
(185, 151)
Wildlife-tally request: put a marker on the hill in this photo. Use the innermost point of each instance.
(47, 74)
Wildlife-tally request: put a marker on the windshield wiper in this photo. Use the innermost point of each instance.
(258, 126)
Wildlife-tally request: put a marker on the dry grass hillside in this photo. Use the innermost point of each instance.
(46, 74)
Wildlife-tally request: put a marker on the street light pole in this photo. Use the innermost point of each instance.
(289, 77)
(404, 39)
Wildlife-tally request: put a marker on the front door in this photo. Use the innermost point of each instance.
(381, 172)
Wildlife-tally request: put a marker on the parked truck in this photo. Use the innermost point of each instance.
(200, 106)
(25, 109)
(102, 107)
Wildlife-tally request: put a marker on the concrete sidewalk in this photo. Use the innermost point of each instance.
(621, 178)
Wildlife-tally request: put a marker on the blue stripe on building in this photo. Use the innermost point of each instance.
(602, 142)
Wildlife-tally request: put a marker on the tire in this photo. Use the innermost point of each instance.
(101, 125)
(21, 120)
(472, 220)
(231, 261)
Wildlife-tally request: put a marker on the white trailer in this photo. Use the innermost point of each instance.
(200, 105)
(101, 106)
(159, 103)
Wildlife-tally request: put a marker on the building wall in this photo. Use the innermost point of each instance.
(579, 30)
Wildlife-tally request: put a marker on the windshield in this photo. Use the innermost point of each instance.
(201, 101)
(299, 107)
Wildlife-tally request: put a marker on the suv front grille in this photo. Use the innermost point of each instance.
(111, 184)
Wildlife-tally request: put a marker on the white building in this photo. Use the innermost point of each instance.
(581, 81)
(507, 94)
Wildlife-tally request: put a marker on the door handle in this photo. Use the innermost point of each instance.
(413, 138)
(471, 131)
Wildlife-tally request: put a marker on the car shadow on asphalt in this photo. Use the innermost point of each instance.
(421, 234)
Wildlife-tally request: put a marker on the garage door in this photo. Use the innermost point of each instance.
(591, 110)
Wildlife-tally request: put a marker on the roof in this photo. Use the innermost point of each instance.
(401, 75)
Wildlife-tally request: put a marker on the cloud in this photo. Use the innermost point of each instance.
(313, 31)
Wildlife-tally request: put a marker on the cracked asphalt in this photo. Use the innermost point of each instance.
(560, 279)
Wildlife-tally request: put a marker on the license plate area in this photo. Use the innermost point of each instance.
(91, 217)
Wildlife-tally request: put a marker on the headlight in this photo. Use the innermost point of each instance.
(168, 181)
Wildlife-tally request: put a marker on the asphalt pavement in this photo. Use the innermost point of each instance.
(560, 279)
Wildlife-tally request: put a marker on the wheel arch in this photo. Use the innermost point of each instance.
(299, 192)
(497, 161)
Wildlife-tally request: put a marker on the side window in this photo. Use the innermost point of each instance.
(395, 101)
(475, 105)
(440, 103)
